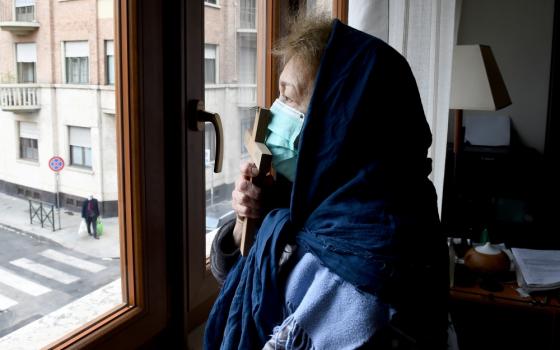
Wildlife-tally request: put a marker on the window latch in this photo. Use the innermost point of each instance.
(196, 108)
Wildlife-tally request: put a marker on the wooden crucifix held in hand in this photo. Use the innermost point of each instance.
(261, 156)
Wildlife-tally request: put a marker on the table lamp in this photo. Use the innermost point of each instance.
(476, 84)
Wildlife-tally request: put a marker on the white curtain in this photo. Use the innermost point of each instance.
(424, 32)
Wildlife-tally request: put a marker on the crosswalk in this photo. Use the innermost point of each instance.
(12, 279)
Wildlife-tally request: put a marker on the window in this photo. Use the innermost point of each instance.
(247, 14)
(213, 2)
(26, 58)
(247, 122)
(210, 64)
(80, 146)
(28, 141)
(76, 55)
(247, 53)
(109, 63)
(25, 10)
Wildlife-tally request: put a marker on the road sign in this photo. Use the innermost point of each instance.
(56, 163)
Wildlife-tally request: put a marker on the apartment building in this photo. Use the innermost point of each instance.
(57, 96)
(230, 59)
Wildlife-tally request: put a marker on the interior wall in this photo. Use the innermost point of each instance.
(520, 35)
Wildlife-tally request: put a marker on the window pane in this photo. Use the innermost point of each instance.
(76, 155)
(110, 70)
(233, 66)
(87, 157)
(66, 274)
(248, 14)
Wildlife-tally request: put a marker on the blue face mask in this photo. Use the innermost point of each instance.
(283, 131)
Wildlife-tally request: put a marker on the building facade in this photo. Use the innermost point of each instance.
(57, 98)
(230, 58)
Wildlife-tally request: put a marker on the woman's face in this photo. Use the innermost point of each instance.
(296, 85)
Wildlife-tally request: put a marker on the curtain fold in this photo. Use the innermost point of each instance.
(425, 33)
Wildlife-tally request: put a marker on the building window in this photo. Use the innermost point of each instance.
(109, 63)
(25, 10)
(247, 63)
(213, 2)
(210, 64)
(247, 120)
(247, 14)
(28, 141)
(80, 146)
(26, 58)
(76, 55)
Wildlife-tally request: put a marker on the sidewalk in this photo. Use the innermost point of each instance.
(14, 216)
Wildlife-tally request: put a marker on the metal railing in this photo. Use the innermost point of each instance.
(19, 96)
(42, 211)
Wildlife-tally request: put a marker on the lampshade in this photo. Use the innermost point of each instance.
(476, 82)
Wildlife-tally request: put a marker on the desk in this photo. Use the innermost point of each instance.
(505, 320)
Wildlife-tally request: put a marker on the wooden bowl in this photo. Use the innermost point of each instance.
(486, 259)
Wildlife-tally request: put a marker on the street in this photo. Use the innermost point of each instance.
(40, 276)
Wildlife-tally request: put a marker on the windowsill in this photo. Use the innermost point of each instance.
(247, 30)
(80, 169)
(28, 161)
(109, 87)
(216, 6)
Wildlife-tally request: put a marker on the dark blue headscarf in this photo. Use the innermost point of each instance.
(361, 200)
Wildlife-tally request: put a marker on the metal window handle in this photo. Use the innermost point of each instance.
(197, 124)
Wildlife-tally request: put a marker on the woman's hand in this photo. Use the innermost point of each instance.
(246, 199)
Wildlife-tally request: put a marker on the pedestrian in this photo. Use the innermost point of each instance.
(350, 224)
(90, 213)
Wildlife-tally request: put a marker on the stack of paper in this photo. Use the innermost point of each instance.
(537, 270)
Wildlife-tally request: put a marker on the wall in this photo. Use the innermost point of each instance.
(520, 35)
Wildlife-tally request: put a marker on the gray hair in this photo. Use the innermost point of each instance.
(305, 42)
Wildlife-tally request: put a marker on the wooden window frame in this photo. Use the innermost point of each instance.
(165, 282)
(145, 314)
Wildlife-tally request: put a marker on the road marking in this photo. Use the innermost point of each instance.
(45, 271)
(19, 283)
(72, 261)
(6, 303)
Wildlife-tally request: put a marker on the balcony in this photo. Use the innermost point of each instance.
(20, 21)
(19, 97)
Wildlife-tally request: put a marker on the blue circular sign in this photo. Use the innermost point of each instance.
(56, 163)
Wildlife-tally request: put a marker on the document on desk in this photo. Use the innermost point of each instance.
(537, 269)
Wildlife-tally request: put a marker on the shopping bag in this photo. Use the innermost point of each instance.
(99, 227)
(82, 230)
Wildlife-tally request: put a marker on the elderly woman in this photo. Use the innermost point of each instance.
(349, 253)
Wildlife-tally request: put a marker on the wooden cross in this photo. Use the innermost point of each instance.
(261, 156)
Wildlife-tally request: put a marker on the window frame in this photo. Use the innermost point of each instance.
(216, 63)
(171, 295)
(145, 313)
(65, 65)
(107, 67)
(21, 146)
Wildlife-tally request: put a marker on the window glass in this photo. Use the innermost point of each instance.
(26, 57)
(25, 10)
(110, 62)
(28, 145)
(56, 271)
(231, 93)
(80, 146)
(210, 64)
(76, 62)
